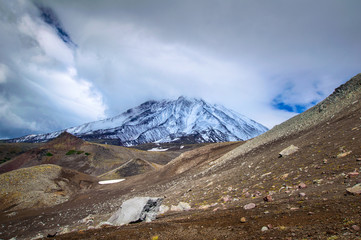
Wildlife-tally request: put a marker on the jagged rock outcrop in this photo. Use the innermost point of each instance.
(135, 210)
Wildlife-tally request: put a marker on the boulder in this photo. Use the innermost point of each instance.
(288, 151)
(135, 210)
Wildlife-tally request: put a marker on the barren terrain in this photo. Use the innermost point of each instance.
(298, 196)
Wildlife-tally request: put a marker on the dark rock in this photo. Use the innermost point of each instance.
(52, 235)
(268, 198)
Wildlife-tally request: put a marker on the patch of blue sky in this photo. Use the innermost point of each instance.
(280, 104)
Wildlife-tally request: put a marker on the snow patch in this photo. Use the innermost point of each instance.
(158, 149)
(111, 181)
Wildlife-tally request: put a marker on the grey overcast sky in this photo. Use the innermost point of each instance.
(68, 62)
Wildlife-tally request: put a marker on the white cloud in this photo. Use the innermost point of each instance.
(52, 46)
(68, 92)
(131, 62)
(4, 71)
(9, 118)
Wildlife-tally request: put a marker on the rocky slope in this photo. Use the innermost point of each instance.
(183, 120)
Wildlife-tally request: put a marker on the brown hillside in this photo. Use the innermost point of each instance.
(71, 152)
(41, 186)
(131, 168)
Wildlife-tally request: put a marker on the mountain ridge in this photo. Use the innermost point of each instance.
(185, 119)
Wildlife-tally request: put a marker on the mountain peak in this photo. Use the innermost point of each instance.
(65, 140)
(184, 120)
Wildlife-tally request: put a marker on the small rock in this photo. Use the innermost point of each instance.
(358, 159)
(268, 198)
(302, 185)
(302, 194)
(184, 206)
(226, 198)
(204, 207)
(247, 195)
(284, 176)
(88, 220)
(249, 206)
(325, 161)
(317, 181)
(344, 154)
(269, 226)
(352, 174)
(355, 227)
(264, 228)
(243, 220)
(38, 236)
(355, 190)
(271, 193)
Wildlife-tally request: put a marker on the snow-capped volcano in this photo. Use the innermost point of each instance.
(184, 119)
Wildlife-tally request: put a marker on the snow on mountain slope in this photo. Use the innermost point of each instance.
(167, 121)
